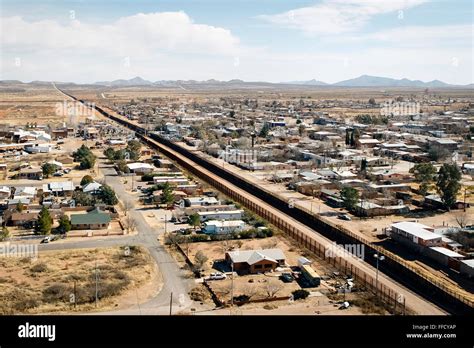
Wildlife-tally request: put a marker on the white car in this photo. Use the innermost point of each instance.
(217, 276)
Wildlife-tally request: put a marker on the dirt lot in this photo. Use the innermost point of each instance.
(46, 284)
(322, 299)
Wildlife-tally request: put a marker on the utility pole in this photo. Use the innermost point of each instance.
(171, 303)
(96, 285)
(381, 258)
(75, 300)
(232, 286)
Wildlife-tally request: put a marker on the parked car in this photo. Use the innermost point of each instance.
(287, 277)
(67, 170)
(344, 217)
(217, 276)
(58, 174)
(46, 240)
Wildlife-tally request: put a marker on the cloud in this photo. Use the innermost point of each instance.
(142, 34)
(337, 16)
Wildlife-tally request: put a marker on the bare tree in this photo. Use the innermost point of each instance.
(127, 206)
(200, 259)
(272, 288)
(130, 224)
(249, 290)
(462, 219)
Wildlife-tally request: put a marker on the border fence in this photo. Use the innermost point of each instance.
(415, 278)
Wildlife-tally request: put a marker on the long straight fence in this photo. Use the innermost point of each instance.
(415, 278)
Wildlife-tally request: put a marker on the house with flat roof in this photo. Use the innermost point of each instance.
(31, 174)
(223, 227)
(415, 234)
(255, 261)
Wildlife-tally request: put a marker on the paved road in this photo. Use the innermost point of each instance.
(173, 276)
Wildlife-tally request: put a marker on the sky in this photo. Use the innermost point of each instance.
(84, 41)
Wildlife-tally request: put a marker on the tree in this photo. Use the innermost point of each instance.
(372, 101)
(107, 195)
(64, 224)
(20, 207)
(49, 169)
(87, 162)
(122, 166)
(109, 153)
(448, 184)
(127, 206)
(83, 199)
(85, 157)
(130, 224)
(424, 175)
(272, 288)
(194, 220)
(86, 179)
(438, 153)
(134, 146)
(44, 223)
(264, 131)
(4, 234)
(462, 218)
(167, 196)
(350, 197)
(200, 259)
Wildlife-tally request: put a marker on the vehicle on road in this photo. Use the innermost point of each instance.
(58, 174)
(46, 240)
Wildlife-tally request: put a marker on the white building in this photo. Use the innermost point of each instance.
(223, 227)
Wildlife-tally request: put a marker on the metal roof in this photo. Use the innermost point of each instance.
(253, 256)
(93, 217)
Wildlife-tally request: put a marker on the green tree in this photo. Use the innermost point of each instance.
(44, 223)
(122, 166)
(134, 145)
(20, 207)
(49, 169)
(438, 154)
(167, 196)
(85, 157)
(350, 197)
(107, 195)
(264, 131)
(4, 234)
(109, 153)
(424, 175)
(87, 162)
(448, 184)
(64, 224)
(194, 220)
(86, 179)
(83, 199)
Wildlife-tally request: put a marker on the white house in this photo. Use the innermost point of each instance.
(223, 227)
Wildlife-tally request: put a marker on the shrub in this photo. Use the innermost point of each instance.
(195, 238)
(39, 268)
(300, 294)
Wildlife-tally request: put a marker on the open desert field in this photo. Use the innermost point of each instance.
(54, 281)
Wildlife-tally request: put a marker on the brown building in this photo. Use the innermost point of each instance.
(255, 261)
(31, 174)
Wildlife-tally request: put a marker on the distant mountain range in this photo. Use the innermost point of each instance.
(361, 81)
